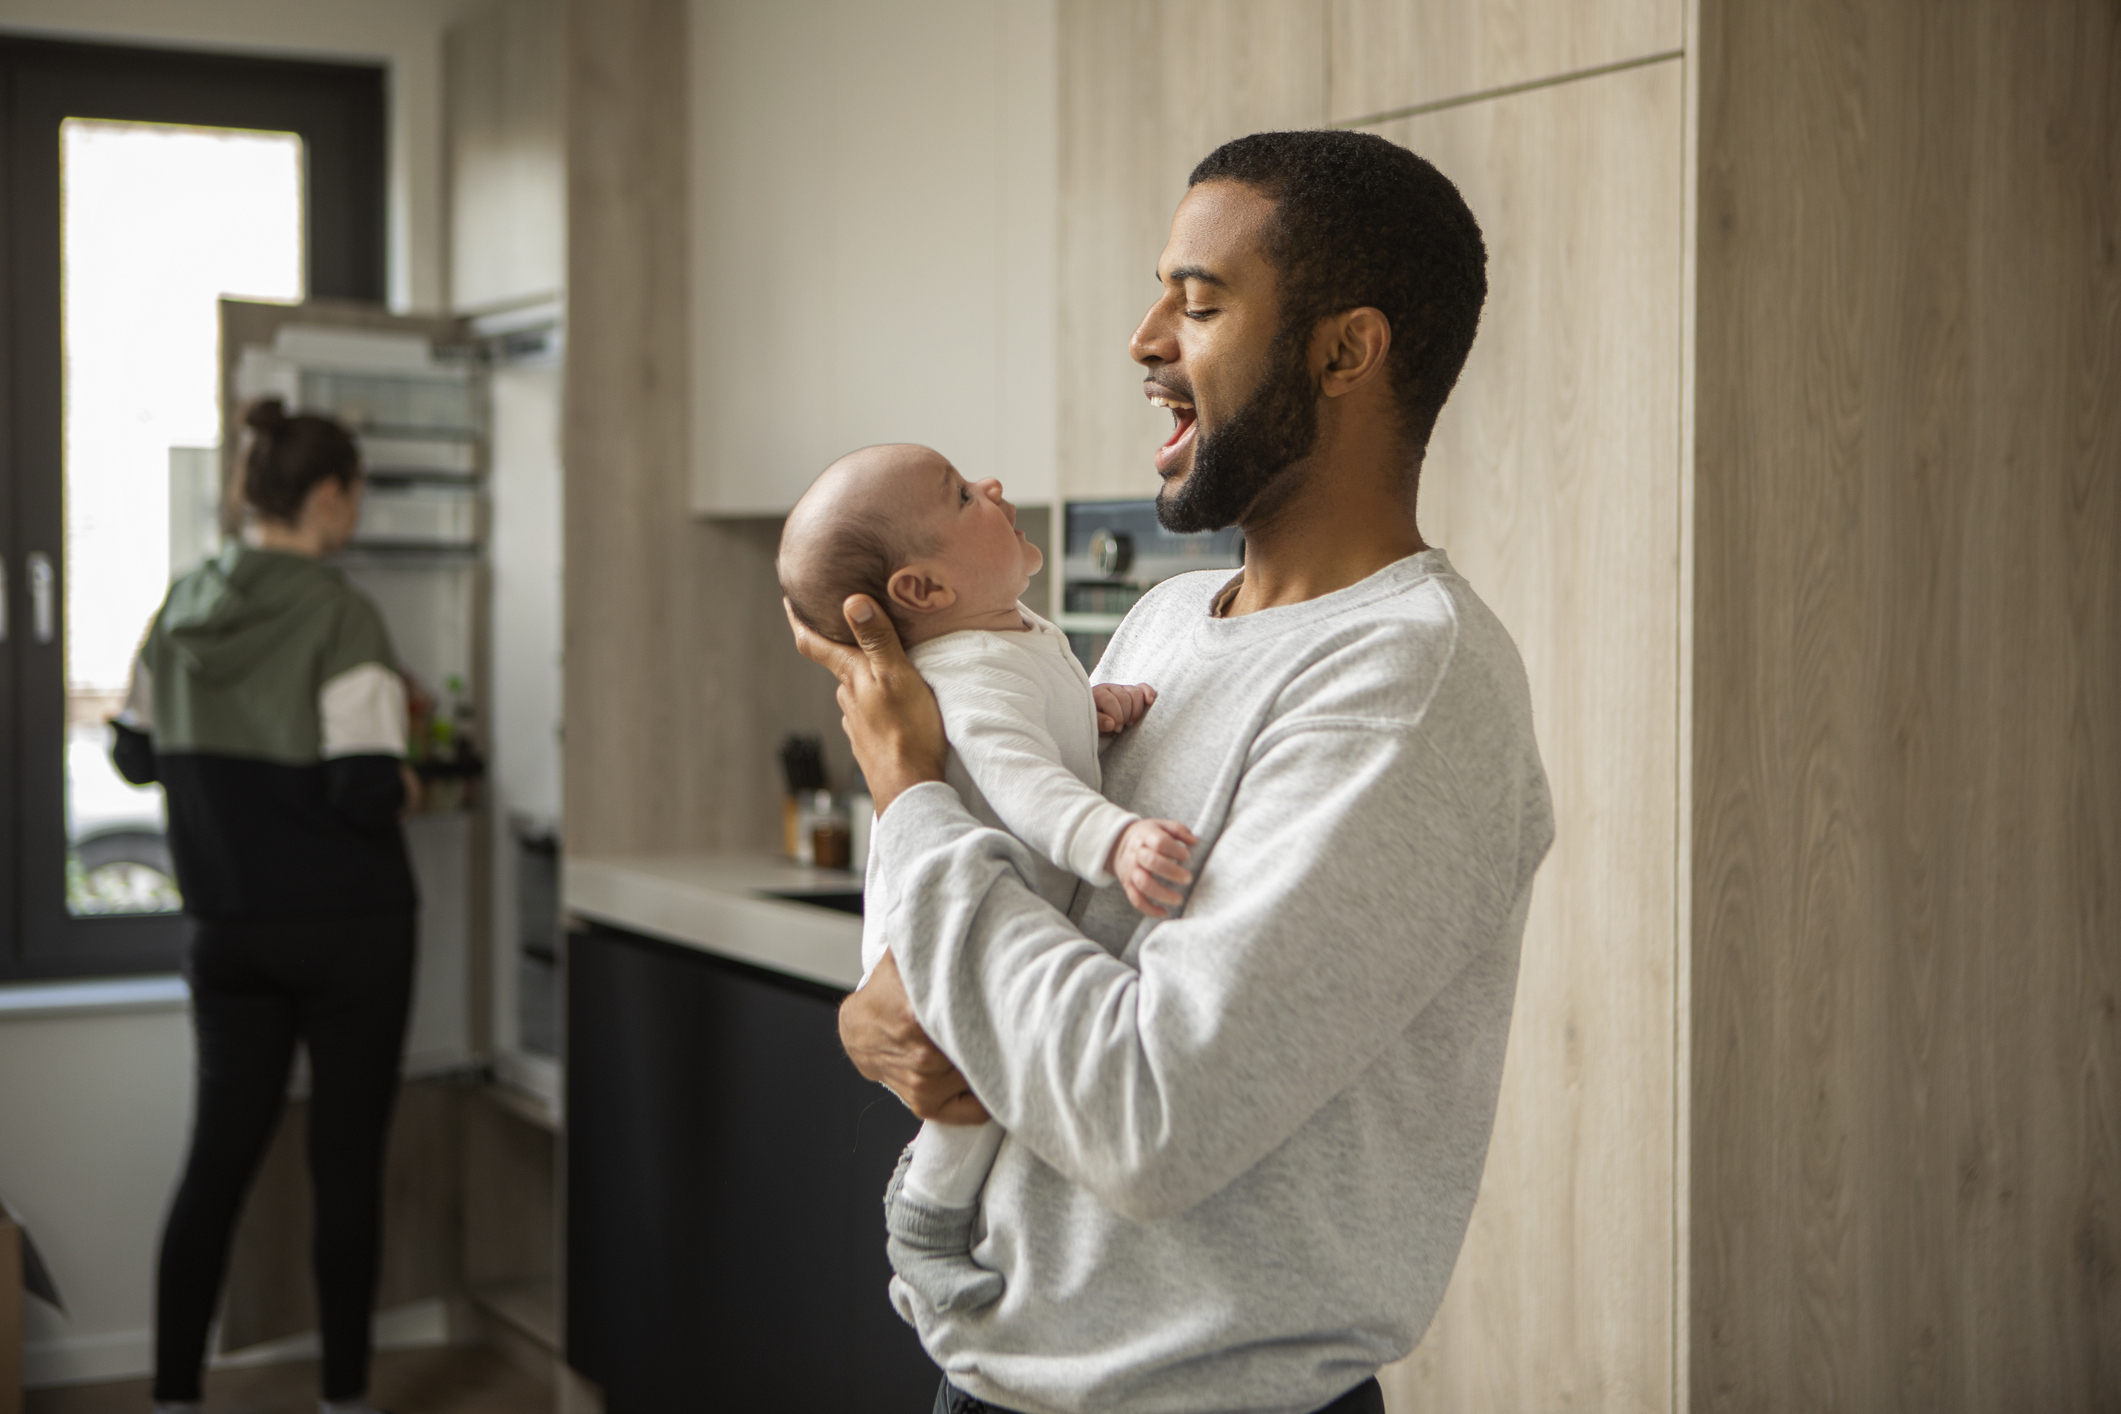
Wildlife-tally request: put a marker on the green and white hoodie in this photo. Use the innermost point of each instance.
(267, 702)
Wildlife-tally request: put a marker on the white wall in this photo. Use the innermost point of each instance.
(405, 34)
(93, 1115)
(94, 1109)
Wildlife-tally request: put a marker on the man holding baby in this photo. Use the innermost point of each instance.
(1241, 1142)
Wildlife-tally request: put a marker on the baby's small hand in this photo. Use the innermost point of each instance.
(1149, 860)
(1120, 707)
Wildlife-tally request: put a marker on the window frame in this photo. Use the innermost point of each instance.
(340, 112)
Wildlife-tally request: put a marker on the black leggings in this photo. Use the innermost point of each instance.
(343, 987)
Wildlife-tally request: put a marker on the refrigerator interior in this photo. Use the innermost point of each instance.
(413, 392)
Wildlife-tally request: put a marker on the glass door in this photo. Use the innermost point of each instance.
(139, 188)
(140, 398)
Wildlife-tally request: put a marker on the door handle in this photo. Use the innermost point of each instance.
(41, 578)
(3, 598)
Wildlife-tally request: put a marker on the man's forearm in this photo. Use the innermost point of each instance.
(880, 1035)
(1155, 1081)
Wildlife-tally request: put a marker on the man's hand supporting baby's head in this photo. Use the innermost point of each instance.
(899, 523)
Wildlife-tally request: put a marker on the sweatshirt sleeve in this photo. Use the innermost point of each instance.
(1350, 883)
(362, 716)
(994, 715)
(132, 748)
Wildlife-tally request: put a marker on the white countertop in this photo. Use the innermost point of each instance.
(724, 904)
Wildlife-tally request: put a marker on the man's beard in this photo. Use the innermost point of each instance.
(1241, 460)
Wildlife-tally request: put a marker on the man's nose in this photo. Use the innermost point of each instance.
(1152, 343)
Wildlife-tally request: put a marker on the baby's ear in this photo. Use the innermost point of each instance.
(913, 587)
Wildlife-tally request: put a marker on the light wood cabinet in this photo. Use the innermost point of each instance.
(1906, 1023)
(504, 77)
(872, 241)
(1391, 55)
(1553, 480)
(1147, 91)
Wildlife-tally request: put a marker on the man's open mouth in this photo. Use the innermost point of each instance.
(1183, 420)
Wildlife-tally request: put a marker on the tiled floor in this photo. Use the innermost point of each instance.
(455, 1380)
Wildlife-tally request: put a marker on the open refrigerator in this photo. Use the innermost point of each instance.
(436, 406)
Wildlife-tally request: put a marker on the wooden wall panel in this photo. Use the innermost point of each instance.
(680, 678)
(10, 1316)
(503, 75)
(1147, 90)
(270, 1291)
(1907, 868)
(1389, 55)
(1553, 481)
(624, 429)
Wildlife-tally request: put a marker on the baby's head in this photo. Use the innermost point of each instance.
(898, 523)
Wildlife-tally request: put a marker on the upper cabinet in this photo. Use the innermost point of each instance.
(1391, 55)
(507, 156)
(1148, 90)
(873, 230)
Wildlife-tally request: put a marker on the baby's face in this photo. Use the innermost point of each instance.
(971, 531)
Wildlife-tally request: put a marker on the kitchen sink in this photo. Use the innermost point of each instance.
(843, 901)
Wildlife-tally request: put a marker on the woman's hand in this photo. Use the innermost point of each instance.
(888, 713)
(887, 1045)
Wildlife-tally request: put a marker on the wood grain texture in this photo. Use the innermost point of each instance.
(1393, 54)
(435, 1380)
(680, 677)
(1552, 481)
(1906, 928)
(503, 73)
(10, 1316)
(1147, 90)
(270, 1291)
(511, 1231)
(624, 426)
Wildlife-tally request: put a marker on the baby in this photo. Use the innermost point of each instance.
(943, 557)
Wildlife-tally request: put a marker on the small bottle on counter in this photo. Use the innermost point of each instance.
(803, 764)
(828, 832)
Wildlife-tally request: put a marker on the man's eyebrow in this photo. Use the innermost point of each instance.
(1193, 272)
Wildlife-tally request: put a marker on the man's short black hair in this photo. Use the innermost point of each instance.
(1362, 221)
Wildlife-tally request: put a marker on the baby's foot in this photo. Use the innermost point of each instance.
(931, 1249)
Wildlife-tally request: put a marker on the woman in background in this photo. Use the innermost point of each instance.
(267, 702)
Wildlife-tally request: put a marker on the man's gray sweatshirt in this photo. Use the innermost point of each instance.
(1243, 1143)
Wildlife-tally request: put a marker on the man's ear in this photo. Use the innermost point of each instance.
(1348, 349)
(915, 588)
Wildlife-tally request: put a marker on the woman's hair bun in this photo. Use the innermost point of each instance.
(288, 456)
(265, 414)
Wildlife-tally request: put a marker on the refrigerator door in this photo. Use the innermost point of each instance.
(420, 419)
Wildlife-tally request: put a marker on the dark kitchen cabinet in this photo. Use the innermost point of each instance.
(725, 1177)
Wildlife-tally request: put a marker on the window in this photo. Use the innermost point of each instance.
(141, 407)
(139, 188)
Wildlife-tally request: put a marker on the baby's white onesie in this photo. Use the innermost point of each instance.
(1023, 757)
